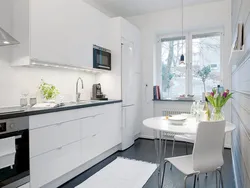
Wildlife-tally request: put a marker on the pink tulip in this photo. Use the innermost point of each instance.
(225, 94)
(212, 93)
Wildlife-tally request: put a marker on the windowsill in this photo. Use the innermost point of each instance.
(175, 100)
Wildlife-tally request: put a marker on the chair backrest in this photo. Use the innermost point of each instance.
(209, 145)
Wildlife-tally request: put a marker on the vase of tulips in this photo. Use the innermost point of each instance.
(218, 100)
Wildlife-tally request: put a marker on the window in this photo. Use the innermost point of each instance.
(201, 71)
(173, 74)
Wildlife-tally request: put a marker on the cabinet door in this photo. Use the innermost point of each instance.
(49, 30)
(49, 166)
(88, 127)
(51, 137)
(128, 126)
(113, 126)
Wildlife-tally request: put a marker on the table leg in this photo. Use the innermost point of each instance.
(159, 154)
(160, 157)
(156, 145)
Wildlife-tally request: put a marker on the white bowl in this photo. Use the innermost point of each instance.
(177, 118)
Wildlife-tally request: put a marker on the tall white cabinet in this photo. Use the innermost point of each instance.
(126, 45)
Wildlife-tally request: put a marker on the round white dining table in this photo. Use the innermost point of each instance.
(161, 125)
(189, 127)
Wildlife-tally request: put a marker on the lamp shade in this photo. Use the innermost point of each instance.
(182, 59)
(6, 39)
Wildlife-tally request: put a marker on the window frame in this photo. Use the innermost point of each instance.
(188, 57)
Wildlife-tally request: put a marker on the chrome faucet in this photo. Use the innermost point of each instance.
(78, 94)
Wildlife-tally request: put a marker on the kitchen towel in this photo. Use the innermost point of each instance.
(7, 152)
(121, 173)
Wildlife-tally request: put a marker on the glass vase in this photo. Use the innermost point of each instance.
(217, 114)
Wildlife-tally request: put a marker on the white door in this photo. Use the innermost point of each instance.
(127, 73)
(128, 126)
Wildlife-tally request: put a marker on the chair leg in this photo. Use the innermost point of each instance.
(186, 148)
(221, 178)
(194, 181)
(185, 181)
(171, 166)
(173, 148)
(164, 169)
(165, 147)
(216, 179)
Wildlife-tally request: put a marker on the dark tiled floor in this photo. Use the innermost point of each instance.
(144, 150)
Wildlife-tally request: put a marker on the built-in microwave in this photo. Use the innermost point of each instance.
(101, 58)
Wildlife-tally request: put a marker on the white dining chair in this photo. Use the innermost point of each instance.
(183, 138)
(207, 153)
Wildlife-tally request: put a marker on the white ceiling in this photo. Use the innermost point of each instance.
(127, 8)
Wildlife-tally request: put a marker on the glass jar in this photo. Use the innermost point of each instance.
(217, 114)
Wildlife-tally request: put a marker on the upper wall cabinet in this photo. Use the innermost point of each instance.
(49, 31)
(57, 32)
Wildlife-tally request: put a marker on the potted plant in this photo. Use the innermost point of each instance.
(48, 91)
(218, 100)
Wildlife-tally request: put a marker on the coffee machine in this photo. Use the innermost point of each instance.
(97, 92)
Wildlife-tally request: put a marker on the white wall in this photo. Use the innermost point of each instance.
(241, 99)
(13, 80)
(196, 18)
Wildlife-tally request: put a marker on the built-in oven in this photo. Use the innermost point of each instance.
(14, 152)
(101, 58)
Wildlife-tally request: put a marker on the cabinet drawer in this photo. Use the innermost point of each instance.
(49, 166)
(43, 120)
(52, 137)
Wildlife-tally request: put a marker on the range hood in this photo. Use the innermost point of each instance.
(6, 39)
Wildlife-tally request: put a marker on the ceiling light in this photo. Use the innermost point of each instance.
(46, 65)
(6, 42)
(182, 58)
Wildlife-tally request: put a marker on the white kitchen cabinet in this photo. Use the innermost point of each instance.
(58, 147)
(128, 34)
(52, 137)
(49, 30)
(104, 131)
(49, 166)
(58, 32)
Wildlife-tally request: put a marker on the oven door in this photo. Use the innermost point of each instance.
(101, 59)
(14, 159)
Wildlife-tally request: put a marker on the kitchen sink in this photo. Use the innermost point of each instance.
(83, 102)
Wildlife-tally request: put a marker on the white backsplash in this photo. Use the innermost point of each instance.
(14, 80)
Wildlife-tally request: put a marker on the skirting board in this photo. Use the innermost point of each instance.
(151, 137)
(63, 179)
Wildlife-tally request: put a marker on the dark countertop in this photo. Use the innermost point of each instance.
(175, 100)
(15, 112)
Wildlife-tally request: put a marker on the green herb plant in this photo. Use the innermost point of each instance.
(48, 91)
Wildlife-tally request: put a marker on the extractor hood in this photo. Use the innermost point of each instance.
(6, 39)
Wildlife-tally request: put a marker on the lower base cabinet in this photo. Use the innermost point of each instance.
(98, 134)
(49, 166)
